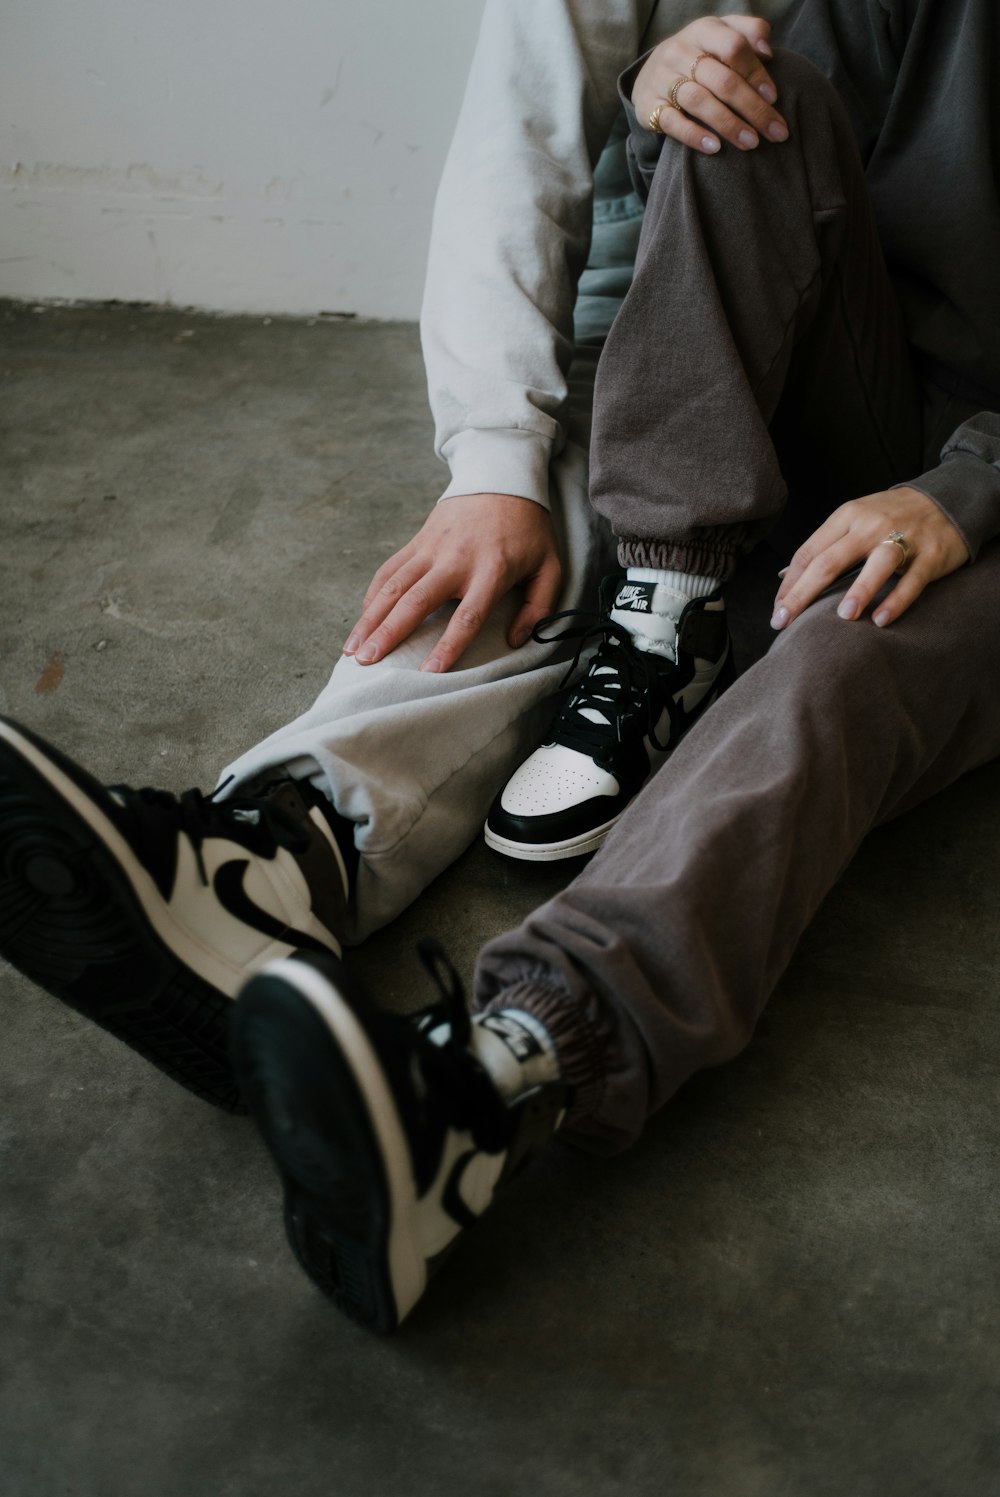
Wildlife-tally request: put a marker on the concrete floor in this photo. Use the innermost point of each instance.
(788, 1289)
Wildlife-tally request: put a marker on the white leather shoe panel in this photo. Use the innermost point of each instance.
(554, 778)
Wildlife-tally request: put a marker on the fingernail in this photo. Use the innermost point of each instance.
(351, 645)
(881, 618)
(768, 91)
(764, 48)
(518, 637)
(747, 138)
(777, 131)
(848, 609)
(783, 572)
(433, 665)
(709, 144)
(779, 618)
(367, 655)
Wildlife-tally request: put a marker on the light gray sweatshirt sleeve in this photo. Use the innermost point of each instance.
(511, 232)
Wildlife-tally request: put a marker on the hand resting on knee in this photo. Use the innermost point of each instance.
(710, 74)
(473, 548)
(858, 530)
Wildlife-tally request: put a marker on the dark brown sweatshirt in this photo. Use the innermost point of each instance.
(919, 79)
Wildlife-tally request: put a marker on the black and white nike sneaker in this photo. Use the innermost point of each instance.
(661, 661)
(390, 1134)
(147, 911)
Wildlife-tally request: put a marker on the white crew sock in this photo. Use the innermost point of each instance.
(650, 603)
(516, 1049)
(685, 584)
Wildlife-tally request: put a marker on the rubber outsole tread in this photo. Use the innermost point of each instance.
(71, 922)
(306, 1101)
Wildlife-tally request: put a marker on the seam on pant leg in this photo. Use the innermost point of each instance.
(876, 425)
(755, 389)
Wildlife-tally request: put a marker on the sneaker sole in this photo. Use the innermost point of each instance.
(72, 921)
(551, 852)
(315, 1088)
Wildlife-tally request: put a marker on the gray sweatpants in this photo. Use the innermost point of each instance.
(415, 758)
(759, 346)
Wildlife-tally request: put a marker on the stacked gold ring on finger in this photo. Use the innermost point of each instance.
(675, 87)
(654, 118)
(700, 58)
(898, 539)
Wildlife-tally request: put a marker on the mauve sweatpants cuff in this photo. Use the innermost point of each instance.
(716, 555)
(579, 1048)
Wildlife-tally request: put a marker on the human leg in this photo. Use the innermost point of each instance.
(760, 327)
(392, 1135)
(413, 758)
(659, 957)
(638, 974)
(760, 312)
(146, 911)
(655, 961)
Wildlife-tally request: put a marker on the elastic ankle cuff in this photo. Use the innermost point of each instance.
(578, 1048)
(716, 558)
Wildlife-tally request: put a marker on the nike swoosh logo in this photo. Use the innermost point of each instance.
(451, 1197)
(231, 894)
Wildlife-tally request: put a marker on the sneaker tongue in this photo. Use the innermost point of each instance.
(649, 611)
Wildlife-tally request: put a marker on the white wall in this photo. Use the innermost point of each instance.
(241, 155)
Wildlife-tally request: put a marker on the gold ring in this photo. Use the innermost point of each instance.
(898, 539)
(654, 118)
(675, 87)
(700, 58)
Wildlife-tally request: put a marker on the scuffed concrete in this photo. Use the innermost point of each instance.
(788, 1289)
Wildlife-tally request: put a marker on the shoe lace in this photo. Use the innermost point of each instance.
(621, 681)
(460, 1093)
(255, 820)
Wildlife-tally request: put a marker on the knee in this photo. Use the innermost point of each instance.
(819, 132)
(810, 103)
(799, 81)
(842, 676)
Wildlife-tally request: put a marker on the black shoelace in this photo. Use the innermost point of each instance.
(621, 683)
(254, 821)
(460, 1092)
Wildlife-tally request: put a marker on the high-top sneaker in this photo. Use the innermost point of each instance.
(662, 659)
(147, 911)
(390, 1134)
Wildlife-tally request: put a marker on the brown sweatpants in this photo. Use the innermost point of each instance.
(759, 353)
